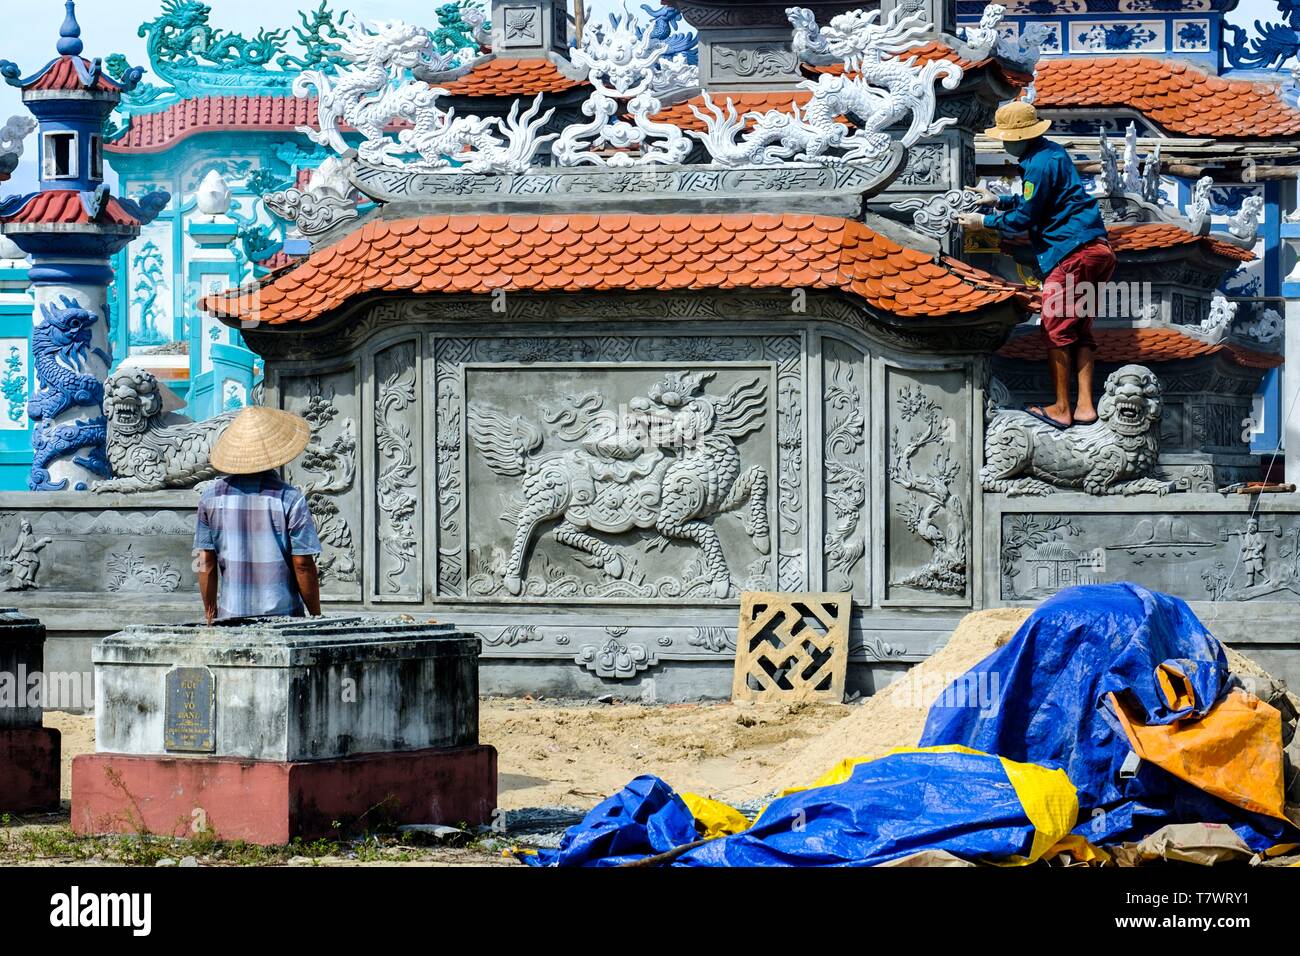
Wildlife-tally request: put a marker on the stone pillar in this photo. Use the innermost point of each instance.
(530, 29)
(72, 356)
(1290, 434)
(212, 269)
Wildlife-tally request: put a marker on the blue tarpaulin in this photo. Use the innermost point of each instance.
(991, 783)
(1052, 680)
(969, 804)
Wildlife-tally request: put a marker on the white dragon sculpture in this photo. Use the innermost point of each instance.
(880, 87)
(387, 81)
(626, 64)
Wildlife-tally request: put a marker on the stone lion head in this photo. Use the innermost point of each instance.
(131, 400)
(1131, 403)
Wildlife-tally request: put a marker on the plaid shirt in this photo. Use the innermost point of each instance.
(255, 524)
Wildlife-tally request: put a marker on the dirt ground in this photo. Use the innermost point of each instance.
(576, 755)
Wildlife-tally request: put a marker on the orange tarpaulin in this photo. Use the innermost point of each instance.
(1234, 752)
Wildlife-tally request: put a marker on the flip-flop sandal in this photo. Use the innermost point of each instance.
(1082, 424)
(1042, 416)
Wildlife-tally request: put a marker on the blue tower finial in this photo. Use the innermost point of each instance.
(70, 33)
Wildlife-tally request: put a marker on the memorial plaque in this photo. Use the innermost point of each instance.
(189, 724)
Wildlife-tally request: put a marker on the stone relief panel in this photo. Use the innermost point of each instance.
(1198, 556)
(398, 475)
(619, 467)
(846, 516)
(118, 551)
(604, 481)
(927, 486)
(751, 62)
(327, 474)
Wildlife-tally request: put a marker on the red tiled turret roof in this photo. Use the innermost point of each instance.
(66, 207)
(681, 116)
(576, 253)
(62, 74)
(1156, 344)
(1178, 97)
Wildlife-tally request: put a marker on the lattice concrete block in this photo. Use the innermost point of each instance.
(792, 646)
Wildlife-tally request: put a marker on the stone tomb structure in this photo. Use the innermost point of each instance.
(278, 729)
(29, 752)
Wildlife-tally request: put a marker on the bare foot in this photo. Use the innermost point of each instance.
(1055, 412)
(1085, 415)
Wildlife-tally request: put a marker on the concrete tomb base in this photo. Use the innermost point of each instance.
(29, 752)
(269, 730)
(270, 802)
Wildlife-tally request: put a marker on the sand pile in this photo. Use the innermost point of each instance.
(895, 716)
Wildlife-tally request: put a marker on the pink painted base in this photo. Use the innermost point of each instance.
(270, 803)
(29, 769)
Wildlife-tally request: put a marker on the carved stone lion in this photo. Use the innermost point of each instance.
(1113, 456)
(151, 449)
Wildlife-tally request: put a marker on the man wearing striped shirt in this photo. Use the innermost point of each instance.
(255, 540)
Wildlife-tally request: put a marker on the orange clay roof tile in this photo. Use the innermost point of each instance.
(1163, 235)
(477, 254)
(1180, 98)
(502, 77)
(1161, 344)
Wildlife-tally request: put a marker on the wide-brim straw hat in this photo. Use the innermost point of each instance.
(260, 439)
(1017, 121)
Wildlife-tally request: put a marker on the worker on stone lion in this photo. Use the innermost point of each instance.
(1068, 236)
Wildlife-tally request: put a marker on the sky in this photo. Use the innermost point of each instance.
(31, 28)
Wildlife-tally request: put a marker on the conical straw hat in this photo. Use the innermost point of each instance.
(260, 439)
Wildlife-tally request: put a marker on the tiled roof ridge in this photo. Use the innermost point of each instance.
(154, 130)
(1176, 95)
(1160, 343)
(1138, 237)
(472, 254)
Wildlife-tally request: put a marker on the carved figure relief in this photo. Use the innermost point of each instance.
(23, 561)
(667, 463)
(1114, 456)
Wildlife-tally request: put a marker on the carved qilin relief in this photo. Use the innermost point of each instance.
(476, 533)
(395, 374)
(845, 469)
(668, 462)
(921, 462)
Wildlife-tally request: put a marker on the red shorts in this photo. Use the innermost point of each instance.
(1071, 294)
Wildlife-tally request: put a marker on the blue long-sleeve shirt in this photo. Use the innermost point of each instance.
(1054, 208)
